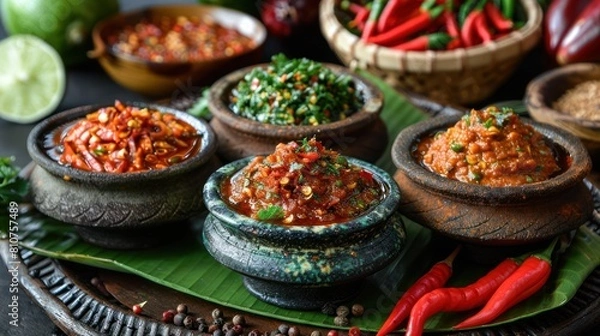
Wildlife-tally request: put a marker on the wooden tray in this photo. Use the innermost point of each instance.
(65, 292)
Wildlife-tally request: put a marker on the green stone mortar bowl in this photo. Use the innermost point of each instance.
(303, 267)
(120, 211)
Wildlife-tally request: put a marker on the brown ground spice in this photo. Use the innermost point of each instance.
(582, 101)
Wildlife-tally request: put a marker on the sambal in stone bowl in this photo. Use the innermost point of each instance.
(303, 225)
(126, 175)
(491, 178)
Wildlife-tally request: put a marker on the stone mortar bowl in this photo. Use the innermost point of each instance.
(121, 211)
(493, 217)
(362, 135)
(303, 267)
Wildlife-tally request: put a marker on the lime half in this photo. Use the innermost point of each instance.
(32, 79)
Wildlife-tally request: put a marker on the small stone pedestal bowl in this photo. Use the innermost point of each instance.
(120, 211)
(303, 267)
(498, 218)
(362, 135)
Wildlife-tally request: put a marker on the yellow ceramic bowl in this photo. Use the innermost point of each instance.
(165, 79)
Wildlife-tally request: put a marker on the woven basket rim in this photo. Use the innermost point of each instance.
(513, 45)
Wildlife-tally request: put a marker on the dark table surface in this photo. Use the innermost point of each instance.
(88, 84)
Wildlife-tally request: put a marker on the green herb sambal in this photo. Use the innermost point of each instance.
(295, 92)
(302, 183)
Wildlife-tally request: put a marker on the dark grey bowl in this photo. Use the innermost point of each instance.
(493, 216)
(362, 135)
(129, 210)
(303, 267)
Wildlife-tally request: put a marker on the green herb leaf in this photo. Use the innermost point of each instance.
(12, 186)
(271, 213)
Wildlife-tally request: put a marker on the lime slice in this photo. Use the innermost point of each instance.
(32, 79)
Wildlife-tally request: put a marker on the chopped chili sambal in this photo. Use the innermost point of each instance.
(490, 147)
(120, 138)
(181, 39)
(302, 183)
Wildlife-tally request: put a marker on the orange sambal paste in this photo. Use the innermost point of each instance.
(302, 183)
(490, 147)
(122, 138)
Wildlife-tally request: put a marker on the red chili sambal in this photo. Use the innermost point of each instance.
(302, 183)
(490, 147)
(121, 138)
(182, 39)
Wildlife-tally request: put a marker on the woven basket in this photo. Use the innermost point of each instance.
(462, 76)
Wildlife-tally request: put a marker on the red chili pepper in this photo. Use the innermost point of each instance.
(482, 29)
(524, 282)
(434, 41)
(496, 18)
(415, 24)
(436, 277)
(376, 9)
(394, 12)
(454, 299)
(559, 17)
(470, 29)
(582, 42)
(452, 28)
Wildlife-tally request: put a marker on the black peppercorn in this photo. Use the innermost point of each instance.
(329, 308)
(217, 313)
(342, 311)
(227, 326)
(283, 328)
(181, 308)
(188, 322)
(201, 320)
(239, 319)
(178, 319)
(202, 327)
(358, 310)
(315, 333)
(341, 321)
(230, 332)
(219, 322)
(294, 331)
(218, 332)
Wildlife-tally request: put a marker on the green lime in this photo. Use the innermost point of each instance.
(64, 24)
(32, 79)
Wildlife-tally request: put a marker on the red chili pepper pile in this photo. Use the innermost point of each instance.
(432, 24)
(572, 31)
(507, 284)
